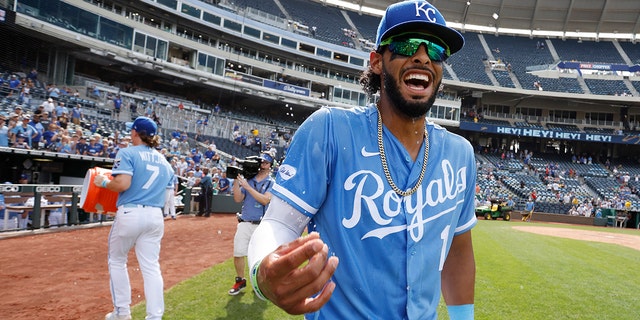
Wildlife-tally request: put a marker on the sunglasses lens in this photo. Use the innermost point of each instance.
(436, 52)
(409, 47)
(405, 48)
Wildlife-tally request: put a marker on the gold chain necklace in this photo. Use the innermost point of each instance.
(385, 167)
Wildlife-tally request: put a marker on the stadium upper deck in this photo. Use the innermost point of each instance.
(311, 61)
(218, 53)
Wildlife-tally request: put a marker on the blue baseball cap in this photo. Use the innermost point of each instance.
(266, 157)
(419, 17)
(143, 125)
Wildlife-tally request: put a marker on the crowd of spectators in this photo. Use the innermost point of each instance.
(53, 126)
(57, 129)
(564, 185)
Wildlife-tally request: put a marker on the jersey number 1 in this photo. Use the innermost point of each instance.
(444, 235)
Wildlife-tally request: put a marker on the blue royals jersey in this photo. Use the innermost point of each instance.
(391, 249)
(172, 184)
(151, 175)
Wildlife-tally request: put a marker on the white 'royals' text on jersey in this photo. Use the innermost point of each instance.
(391, 248)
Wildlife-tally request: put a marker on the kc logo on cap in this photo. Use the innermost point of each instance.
(420, 17)
(429, 12)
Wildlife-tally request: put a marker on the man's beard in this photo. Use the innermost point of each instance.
(410, 109)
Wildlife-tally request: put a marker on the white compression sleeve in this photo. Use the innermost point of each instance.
(281, 224)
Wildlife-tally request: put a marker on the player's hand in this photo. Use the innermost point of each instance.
(289, 285)
(97, 180)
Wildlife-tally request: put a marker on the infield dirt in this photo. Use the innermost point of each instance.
(627, 240)
(62, 274)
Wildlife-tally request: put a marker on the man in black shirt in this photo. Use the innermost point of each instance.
(206, 194)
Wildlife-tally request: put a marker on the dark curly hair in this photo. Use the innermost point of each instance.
(370, 81)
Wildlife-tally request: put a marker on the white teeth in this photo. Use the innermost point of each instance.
(414, 76)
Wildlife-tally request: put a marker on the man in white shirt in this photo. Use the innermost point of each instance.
(49, 107)
(182, 166)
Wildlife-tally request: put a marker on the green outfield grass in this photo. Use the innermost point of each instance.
(520, 275)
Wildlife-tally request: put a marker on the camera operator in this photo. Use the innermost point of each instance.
(255, 195)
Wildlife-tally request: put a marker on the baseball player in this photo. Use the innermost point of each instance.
(385, 194)
(141, 177)
(170, 199)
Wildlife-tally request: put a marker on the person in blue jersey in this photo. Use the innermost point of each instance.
(169, 208)
(4, 132)
(387, 196)
(117, 105)
(82, 146)
(24, 129)
(141, 177)
(529, 207)
(223, 186)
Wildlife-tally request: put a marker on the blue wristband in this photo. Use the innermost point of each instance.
(461, 312)
(104, 183)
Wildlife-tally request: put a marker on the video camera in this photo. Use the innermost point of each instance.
(248, 168)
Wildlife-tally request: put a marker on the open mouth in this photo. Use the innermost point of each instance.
(417, 81)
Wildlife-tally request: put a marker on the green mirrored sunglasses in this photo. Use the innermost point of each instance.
(409, 46)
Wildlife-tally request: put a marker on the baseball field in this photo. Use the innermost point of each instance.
(524, 271)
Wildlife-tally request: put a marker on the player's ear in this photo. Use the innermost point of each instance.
(375, 61)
